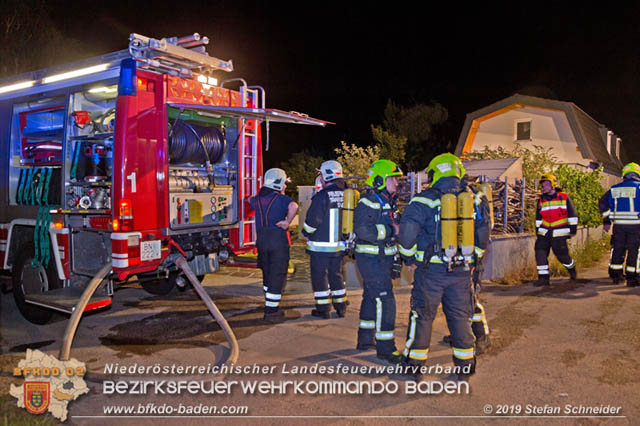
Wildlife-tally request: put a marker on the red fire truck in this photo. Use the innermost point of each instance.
(135, 158)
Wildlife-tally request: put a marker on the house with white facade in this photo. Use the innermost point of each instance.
(576, 137)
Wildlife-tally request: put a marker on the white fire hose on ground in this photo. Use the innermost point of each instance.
(181, 262)
(72, 326)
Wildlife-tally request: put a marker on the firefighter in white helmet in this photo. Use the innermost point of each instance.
(274, 213)
(325, 243)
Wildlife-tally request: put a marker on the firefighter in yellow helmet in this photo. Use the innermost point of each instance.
(620, 205)
(375, 225)
(556, 222)
(443, 262)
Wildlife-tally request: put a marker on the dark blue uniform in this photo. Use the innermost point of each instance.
(323, 229)
(271, 207)
(620, 205)
(420, 243)
(375, 249)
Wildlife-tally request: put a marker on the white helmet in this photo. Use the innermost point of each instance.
(330, 170)
(275, 179)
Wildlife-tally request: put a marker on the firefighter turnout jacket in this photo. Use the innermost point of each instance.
(323, 223)
(373, 224)
(620, 205)
(556, 215)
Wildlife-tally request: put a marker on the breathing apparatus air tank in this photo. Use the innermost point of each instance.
(449, 226)
(486, 189)
(351, 197)
(465, 226)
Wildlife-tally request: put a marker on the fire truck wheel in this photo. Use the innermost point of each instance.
(28, 280)
(161, 287)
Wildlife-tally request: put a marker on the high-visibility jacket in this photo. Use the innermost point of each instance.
(323, 223)
(621, 204)
(420, 233)
(372, 224)
(556, 214)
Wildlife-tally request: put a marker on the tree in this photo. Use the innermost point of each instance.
(301, 168)
(423, 126)
(356, 160)
(29, 38)
(391, 146)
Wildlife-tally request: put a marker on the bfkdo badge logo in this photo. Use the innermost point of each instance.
(36, 397)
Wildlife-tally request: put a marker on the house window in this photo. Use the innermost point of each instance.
(523, 130)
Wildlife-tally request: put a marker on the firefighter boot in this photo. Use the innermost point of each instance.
(321, 313)
(412, 368)
(573, 275)
(543, 280)
(482, 344)
(273, 316)
(392, 358)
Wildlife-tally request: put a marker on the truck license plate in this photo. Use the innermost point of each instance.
(150, 250)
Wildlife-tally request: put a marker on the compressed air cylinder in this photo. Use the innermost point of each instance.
(449, 224)
(351, 197)
(465, 223)
(486, 189)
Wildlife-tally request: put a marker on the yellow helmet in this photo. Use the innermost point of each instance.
(444, 165)
(631, 168)
(380, 171)
(551, 178)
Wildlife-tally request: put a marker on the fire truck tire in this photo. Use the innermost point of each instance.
(26, 279)
(161, 287)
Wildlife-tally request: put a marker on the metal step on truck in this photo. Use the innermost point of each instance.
(135, 158)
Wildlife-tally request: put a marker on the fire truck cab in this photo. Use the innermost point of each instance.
(134, 158)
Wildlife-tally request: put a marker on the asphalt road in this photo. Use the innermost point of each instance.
(556, 353)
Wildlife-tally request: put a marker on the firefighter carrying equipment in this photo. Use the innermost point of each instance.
(620, 205)
(380, 171)
(330, 170)
(551, 178)
(325, 243)
(275, 179)
(420, 241)
(375, 249)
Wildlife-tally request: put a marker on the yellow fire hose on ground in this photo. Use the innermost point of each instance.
(72, 326)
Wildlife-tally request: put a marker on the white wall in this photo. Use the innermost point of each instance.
(548, 129)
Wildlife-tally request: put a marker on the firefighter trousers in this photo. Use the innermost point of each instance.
(431, 286)
(273, 259)
(560, 248)
(378, 308)
(327, 282)
(625, 241)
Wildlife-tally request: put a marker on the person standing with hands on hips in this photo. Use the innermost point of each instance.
(274, 213)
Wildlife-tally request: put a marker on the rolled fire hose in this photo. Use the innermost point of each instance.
(224, 325)
(72, 326)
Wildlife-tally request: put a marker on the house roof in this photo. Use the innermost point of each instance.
(589, 134)
(491, 169)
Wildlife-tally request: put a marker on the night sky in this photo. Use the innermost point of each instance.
(342, 62)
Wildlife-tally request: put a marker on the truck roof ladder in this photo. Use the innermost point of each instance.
(184, 56)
